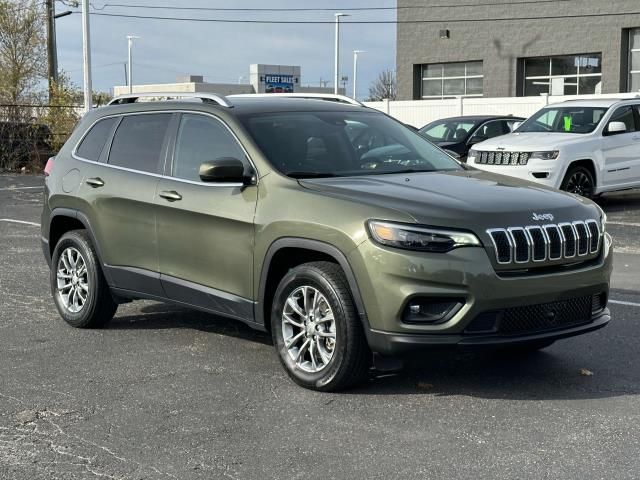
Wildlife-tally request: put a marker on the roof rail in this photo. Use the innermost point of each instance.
(311, 96)
(204, 97)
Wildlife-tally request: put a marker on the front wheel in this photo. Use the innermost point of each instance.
(316, 330)
(579, 180)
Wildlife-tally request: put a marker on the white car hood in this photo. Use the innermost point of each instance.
(529, 141)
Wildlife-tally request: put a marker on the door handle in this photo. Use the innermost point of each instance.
(172, 195)
(95, 182)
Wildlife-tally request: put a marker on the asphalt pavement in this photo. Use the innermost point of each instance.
(168, 393)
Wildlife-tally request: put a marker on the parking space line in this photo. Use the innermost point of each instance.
(22, 222)
(19, 188)
(620, 302)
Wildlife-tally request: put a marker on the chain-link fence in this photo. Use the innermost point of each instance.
(31, 133)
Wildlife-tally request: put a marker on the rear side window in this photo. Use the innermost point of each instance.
(138, 142)
(92, 144)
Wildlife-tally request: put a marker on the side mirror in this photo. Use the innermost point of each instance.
(515, 126)
(224, 170)
(615, 128)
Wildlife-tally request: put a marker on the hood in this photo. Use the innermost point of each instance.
(530, 141)
(470, 199)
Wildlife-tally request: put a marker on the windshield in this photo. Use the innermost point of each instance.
(448, 130)
(572, 119)
(327, 144)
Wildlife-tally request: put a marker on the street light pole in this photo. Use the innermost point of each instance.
(86, 56)
(337, 53)
(355, 71)
(130, 56)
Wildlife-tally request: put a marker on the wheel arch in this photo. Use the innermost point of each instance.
(588, 163)
(304, 250)
(63, 220)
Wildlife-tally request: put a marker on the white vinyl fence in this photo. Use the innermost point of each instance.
(420, 112)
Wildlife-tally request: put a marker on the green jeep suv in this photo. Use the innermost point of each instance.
(343, 233)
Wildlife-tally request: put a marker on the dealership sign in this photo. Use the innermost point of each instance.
(278, 83)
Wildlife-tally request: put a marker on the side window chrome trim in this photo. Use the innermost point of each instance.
(168, 177)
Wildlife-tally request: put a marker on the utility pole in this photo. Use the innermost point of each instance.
(355, 71)
(52, 68)
(336, 80)
(130, 57)
(86, 56)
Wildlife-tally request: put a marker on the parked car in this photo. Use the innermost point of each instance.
(459, 134)
(276, 212)
(585, 147)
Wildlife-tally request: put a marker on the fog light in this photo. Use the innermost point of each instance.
(431, 310)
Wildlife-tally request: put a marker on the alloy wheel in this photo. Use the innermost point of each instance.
(580, 184)
(309, 329)
(72, 280)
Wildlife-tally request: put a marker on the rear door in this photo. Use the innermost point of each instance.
(621, 151)
(119, 190)
(206, 230)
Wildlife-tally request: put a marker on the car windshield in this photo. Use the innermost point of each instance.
(573, 119)
(448, 130)
(336, 144)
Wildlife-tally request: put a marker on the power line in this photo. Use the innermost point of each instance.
(364, 22)
(320, 9)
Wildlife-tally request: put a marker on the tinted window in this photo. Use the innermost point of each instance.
(624, 115)
(343, 143)
(202, 139)
(573, 119)
(448, 130)
(93, 143)
(492, 129)
(138, 141)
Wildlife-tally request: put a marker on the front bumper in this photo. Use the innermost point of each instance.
(388, 278)
(545, 172)
(388, 343)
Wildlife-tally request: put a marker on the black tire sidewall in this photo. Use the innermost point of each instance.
(84, 316)
(310, 276)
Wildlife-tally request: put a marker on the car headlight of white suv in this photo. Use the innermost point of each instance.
(547, 155)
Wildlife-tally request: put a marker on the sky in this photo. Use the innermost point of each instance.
(222, 52)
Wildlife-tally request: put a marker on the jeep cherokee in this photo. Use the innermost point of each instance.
(337, 229)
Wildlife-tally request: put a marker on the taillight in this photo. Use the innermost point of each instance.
(48, 166)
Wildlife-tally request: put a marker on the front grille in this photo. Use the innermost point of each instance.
(547, 316)
(503, 158)
(551, 242)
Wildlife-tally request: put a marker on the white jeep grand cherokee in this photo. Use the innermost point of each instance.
(582, 146)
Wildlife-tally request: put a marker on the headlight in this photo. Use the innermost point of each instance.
(550, 155)
(471, 156)
(603, 221)
(426, 239)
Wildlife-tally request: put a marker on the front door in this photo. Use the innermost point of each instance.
(621, 151)
(205, 230)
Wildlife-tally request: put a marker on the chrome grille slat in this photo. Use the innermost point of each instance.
(503, 158)
(552, 242)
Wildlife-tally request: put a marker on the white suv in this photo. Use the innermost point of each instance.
(582, 146)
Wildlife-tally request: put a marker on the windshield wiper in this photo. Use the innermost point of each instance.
(296, 174)
(393, 172)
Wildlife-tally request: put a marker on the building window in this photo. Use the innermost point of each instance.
(634, 60)
(563, 75)
(441, 80)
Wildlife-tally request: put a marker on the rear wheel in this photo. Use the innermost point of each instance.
(316, 330)
(579, 180)
(78, 286)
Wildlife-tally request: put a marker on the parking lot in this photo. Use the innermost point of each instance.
(164, 392)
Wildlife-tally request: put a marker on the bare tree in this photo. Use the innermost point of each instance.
(384, 86)
(22, 50)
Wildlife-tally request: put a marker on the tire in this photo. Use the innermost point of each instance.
(579, 180)
(341, 340)
(98, 307)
